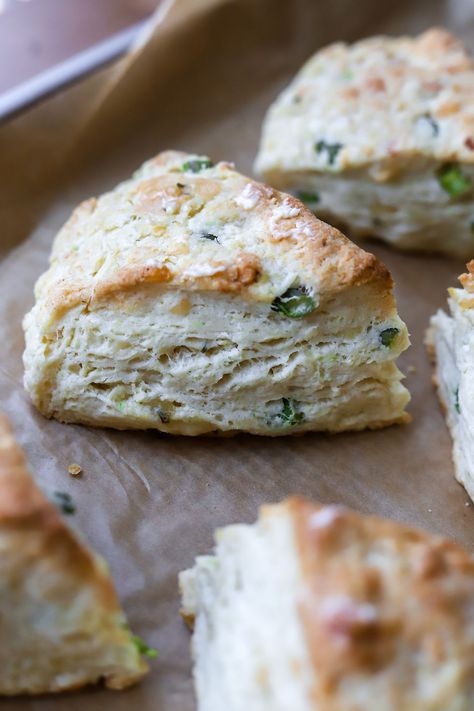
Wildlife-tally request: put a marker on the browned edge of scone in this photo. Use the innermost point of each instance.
(344, 642)
(336, 262)
(24, 509)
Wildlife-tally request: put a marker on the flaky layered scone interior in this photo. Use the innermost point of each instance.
(317, 608)
(379, 136)
(192, 299)
(451, 344)
(61, 625)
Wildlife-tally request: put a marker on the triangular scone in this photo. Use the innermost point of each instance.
(451, 344)
(192, 299)
(61, 625)
(323, 609)
(379, 136)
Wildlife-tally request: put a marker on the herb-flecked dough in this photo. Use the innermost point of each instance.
(192, 299)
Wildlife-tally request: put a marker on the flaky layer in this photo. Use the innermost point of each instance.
(364, 609)
(451, 343)
(61, 625)
(246, 624)
(191, 363)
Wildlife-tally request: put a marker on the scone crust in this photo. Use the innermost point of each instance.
(382, 599)
(118, 242)
(24, 509)
(387, 101)
(464, 300)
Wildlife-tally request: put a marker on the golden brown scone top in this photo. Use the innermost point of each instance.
(183, 222)
(383, 600)
(382, 100)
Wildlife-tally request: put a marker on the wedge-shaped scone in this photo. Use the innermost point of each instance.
(192, 299)
(61, 625)
(450, 342)
(317, 608)
(379, 136)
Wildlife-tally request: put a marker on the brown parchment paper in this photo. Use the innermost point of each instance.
(201, 81)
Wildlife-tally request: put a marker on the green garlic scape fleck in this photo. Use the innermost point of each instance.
(208, 235)
(307, 196)
(331, 149)
(162, 415)
(289, 415)
(196, 165)
(456, 401)
(143, 647)
(453, 181)
(294, 303)
(388, 335)
(64, 502)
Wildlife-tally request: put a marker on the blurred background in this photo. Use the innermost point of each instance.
(46, 44)
(38, 35)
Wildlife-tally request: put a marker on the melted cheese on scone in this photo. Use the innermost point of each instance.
(192, 299)
(379, 136)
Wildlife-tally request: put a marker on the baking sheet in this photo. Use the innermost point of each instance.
(148, 502)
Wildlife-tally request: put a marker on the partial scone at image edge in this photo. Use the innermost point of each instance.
(61, 626)
(378, 137)
(192, 299)
(318, 607)
(450, 341)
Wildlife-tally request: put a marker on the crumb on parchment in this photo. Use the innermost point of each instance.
(74, 470)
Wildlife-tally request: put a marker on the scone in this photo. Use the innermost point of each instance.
(61, 625)
(450, 341)
(192, 299)
(316, 608)
(379, 136)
